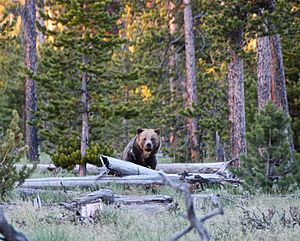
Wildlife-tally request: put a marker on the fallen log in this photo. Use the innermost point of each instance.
(89, 204)
(46, 168)
(90, 181)
(124, 168)
(105, 195)
(169, 168)
(142, 200)
(190, 167)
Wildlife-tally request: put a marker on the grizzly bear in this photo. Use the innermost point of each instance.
(142, 149)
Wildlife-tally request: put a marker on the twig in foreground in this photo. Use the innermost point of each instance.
(191, 215)
(8, 231)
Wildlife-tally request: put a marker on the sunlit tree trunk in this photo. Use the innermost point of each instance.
(173, 59)
(29, 38)
(236, 100)
(191, 86)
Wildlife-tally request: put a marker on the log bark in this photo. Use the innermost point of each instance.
(105, 195)
(124, 168)
(177, 168)
(91, 181)
(108, 197)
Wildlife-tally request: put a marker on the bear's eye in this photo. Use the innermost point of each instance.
(152, 139)
(145, 139)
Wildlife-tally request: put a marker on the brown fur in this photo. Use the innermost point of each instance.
(142, 149)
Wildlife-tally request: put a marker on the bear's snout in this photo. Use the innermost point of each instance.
(148, 146)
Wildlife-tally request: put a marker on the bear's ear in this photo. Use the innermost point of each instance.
(157, 131)
(139, 130)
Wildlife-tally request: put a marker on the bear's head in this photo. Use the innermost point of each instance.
(148, 139)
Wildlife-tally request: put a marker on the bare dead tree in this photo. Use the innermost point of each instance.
(8, 232)
(195, 223)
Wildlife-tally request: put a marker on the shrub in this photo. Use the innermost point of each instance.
(267, 165)
(12, 149)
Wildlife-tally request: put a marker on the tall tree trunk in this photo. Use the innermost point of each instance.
(279, 96)
(263, 71)
(191, 86)
(277, 89)
(29, 32)
(41, 9)
(173, 59)
(85, 124)
(236, 100)
(85, 111)
(124, 50)
(220, 154)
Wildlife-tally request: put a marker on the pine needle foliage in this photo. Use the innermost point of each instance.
(12, 149)
(266, 167)
(12, 69)
(87, 30)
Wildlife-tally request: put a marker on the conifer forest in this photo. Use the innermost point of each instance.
(219, 81)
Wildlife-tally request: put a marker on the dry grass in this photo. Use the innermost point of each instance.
(51, 223)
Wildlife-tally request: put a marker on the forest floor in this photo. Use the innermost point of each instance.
(246, 217)
(259, 217)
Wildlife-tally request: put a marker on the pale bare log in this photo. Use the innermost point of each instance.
(90, 181)
(106, 195)
(124, 168)
(171, 168)
(44, 168)
(190, 167)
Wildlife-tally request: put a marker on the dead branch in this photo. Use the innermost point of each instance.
(106, 195)
(8, 231)
(191, 215)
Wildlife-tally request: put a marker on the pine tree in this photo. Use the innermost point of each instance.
(266, 166)
(12, 149)
(87, 32)
(12, 68)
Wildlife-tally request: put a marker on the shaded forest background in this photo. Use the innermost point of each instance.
(119, 65)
